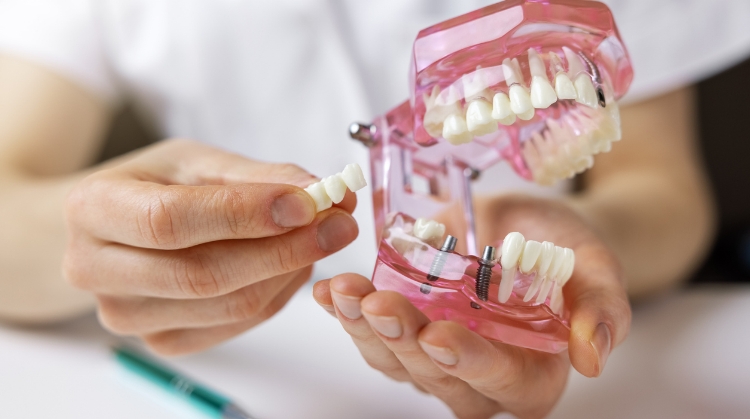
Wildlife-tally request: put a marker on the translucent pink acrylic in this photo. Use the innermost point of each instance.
(417, 175)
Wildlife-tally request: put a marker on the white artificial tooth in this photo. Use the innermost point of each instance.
(456, 131)
(428, 230)
(335, 187)
(575, 66)
(479, 119)
(546, 257)
(353, 177)
(529, 258)
(512, 249)
(527, 115)
(586, 91)
(557, 264)
(520, 101)
(501, 110)
(552, 274)
(437, 109)
(531, 252)
(570, 261)
(318, 193)
(556, 300)
(542, 93)
(565, 88)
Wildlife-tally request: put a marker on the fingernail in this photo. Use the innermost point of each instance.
(336, 231)
(293, 210)
(348, 306)
(602, 342)
(442, 355)
(386, 325)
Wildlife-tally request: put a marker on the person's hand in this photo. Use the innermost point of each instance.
(475, 377)
(186, 246)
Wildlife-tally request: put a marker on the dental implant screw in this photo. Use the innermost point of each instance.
(363, 133)
(449, 246)
(484, 273)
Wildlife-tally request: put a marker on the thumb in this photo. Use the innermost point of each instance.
(600, 311)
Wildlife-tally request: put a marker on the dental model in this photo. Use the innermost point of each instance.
(530, 83)
(332, 189)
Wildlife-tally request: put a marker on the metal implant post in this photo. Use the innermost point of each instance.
(449, 246)
(484, 273)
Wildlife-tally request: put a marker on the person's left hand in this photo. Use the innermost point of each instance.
(475, 377)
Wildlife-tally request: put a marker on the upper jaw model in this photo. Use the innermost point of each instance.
(533, 83)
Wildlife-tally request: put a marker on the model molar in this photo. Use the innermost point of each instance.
(429, 231)
(332, 189)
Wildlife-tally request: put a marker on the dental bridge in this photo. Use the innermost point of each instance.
(533, 83)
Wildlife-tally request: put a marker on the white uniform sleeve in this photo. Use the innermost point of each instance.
(63, 35)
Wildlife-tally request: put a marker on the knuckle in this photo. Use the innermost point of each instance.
(239, 213)
(244, 304)
(114, 317)
(166, 344)
(283, 259)
(197, 274)
(156, 222)
(289, 169)
(75, 269)
(435, 383)
(271, 309)
(396, 372)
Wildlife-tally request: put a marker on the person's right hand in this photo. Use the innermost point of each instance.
(186, 246)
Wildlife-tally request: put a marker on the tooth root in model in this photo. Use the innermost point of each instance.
(512, 248)
(546, 255)
(549, 281)
(542, 93)
(333, 188)
(529, 260)
(556, 300)
(575, 65)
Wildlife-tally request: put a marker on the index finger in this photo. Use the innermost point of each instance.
(138, 213)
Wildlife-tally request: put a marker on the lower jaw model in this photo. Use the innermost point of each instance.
(530, 83)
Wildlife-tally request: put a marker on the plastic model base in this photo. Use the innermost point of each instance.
(425, 152)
